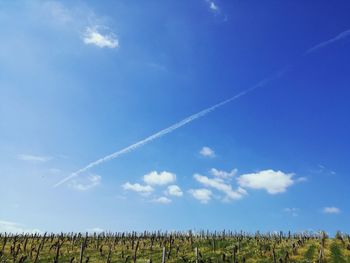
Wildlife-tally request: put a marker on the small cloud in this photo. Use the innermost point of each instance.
(223, 174)
(92, 181)
(95, 230)
(203, 195)
(321, 169)
(162, 178)
(33, 158)
(221, 186)
(273, 182)
(301, 180)
(214, 7)
(162, 200)
(15, 228)
(142, 189)
(174, 190)
(291, 211)
(207, 152)
(331, 210)
(93, 37)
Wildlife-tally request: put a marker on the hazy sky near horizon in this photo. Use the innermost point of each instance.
(80, 80)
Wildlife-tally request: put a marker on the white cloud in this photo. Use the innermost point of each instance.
(79, 17)
(220, 185)
(12, 227)
(223, 174)
(273, 182)
(33, 158)
(162, 200)
(203, 195)
(207, 152)
(93, 37)
(331, 210)
(162, 178)
(292, 211)
(142, 189)
(174, 190)
(92, 181)
(214, 7)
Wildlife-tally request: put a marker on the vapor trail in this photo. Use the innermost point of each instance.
(169, 129)
(151, 138)
(341, 36)
(199, 114)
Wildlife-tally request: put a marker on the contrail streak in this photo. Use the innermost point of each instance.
(169, 129)
(341, 36)
(198, 114)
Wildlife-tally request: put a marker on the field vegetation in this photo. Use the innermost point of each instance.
(215, 247)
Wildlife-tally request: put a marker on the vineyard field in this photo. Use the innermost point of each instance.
(174, 247)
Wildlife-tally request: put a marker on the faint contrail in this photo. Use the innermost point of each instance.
(342, 35)
(197, 115)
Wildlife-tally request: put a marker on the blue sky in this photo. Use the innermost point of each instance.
(81, 80)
